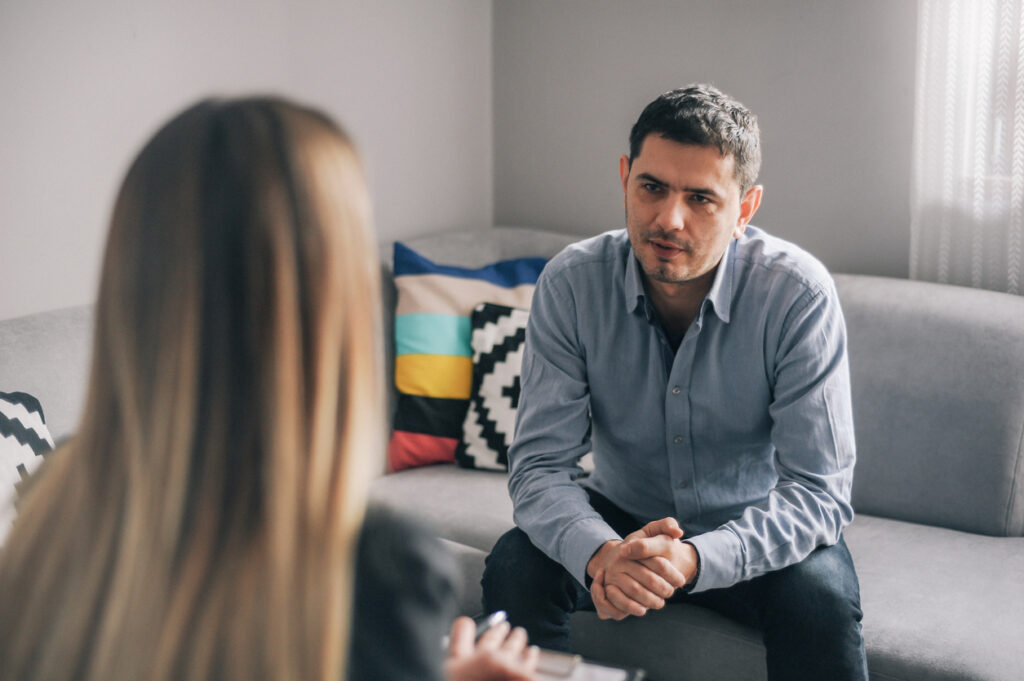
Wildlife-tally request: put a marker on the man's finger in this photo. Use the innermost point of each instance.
(605, 610)
(634, 589)
(648, 547)
(667, 526)
(664, 568)
(646, 596)
(623, 602)
(639, 577)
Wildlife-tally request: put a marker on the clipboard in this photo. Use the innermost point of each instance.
(556, 666)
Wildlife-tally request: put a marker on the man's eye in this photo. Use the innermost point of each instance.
(699, 198)
(651, 187)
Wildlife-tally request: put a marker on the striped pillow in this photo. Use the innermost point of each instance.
(24, 439)
(433, 355)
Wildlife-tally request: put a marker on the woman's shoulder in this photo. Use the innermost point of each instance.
(404, 600)
(393, 542)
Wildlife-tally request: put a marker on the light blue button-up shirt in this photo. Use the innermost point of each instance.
(744, 434)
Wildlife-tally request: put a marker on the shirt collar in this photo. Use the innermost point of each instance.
(719, 297)
(634, 285)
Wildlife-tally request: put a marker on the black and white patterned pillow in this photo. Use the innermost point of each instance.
(24, 439)
(498, 336)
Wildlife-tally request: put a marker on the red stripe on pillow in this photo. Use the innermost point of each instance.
(407, 450)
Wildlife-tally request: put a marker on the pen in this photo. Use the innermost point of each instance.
(482, 625)
(492, 620)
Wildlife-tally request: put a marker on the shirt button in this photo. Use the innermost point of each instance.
(683, 485)
(676, 390)
(677, 439)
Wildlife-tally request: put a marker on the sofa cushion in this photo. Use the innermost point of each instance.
(938, 400)
(939, 604)
(24, 439)
(433, 356)
(466, 506)
(499, 333)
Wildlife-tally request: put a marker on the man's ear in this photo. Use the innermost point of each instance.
(748, 206)
(624, 171)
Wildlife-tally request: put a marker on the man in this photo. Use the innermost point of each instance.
(704, 363)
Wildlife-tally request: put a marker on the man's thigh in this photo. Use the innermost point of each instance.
(809, 614)
(808, 589)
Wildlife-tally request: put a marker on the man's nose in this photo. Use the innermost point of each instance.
(673, 213)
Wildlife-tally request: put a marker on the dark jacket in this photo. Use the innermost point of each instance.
(404, 601)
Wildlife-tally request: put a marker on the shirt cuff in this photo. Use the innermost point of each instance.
(581, 542)
(721, 559)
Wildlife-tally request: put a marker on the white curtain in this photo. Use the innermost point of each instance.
(967, 203)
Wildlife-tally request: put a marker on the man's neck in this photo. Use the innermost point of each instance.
(677, 305)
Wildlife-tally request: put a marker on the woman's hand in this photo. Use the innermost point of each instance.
(501, 654)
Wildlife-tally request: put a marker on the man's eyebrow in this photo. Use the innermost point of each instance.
(647, 177)
(706, 191)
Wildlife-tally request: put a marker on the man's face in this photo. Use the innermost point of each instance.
(683, 207)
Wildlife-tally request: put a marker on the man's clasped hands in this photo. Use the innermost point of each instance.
(640, 573)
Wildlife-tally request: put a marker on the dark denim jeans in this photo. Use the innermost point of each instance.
(809, 612)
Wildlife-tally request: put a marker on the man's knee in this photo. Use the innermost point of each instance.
(812, 618)
(536, 592)
(516, 570)
(821, 592)
(516, 566)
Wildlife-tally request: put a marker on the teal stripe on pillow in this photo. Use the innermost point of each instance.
(433, 334)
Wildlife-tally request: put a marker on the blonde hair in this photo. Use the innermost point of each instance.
(202, 522)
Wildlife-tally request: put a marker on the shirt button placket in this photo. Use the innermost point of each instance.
(678, 407)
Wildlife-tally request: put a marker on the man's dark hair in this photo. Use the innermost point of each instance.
(703, 115)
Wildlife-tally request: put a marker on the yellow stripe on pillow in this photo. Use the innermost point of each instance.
(434, 376)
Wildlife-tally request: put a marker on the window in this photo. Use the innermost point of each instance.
(967, 203)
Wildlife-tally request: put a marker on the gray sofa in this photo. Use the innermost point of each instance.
(938, 382)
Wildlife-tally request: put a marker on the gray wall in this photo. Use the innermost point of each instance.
(469, 112)
(83, 84)
(831, 81)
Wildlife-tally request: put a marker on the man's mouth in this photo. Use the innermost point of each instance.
(665, 249)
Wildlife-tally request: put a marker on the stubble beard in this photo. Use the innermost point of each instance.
(658, 270)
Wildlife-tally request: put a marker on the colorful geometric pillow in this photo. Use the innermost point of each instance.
(433, 355)
(24, 438)
(499, 333)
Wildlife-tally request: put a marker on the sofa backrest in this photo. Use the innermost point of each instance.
(937, 375)
(47, 356)
(938, 396)
(937, 380)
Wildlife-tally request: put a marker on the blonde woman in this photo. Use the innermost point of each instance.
(205, 521)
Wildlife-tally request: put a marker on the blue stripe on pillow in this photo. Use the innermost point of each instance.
(507, 273)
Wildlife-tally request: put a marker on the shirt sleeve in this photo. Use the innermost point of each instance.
(812, 433)
(552, 435)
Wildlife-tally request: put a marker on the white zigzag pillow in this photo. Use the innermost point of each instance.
(498, 336)
(24, 439)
